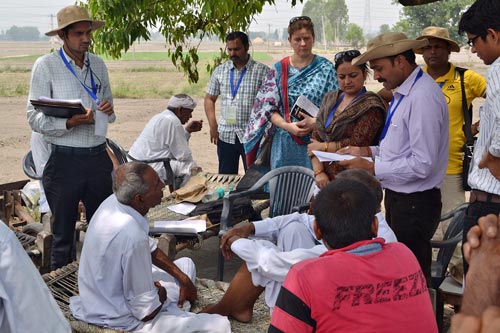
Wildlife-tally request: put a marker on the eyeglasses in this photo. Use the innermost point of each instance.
(351, 54)
(472, 41)
(299, 18)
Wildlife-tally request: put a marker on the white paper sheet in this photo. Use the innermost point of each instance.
(101, 123)
(334, 157)
(57, 100)
(185, 226)
(183, 208)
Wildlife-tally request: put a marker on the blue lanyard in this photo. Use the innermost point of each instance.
(234, 90)
(335, 107)
(392, 110)
(92, 93)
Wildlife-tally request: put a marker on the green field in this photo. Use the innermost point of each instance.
(135, 75)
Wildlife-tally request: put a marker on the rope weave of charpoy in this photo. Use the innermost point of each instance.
(63, 283)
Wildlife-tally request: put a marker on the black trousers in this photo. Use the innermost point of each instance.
(476, 210)
(67, 179)
(229, 156)
(414, 218)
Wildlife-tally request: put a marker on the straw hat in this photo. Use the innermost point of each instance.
(439, 33)
(73, 14)
(388, 44)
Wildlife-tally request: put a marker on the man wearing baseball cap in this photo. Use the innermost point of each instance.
(165, 137)
(79, 167)
(436, 56)
(411, 159)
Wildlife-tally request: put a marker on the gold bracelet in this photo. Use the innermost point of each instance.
(326, 145)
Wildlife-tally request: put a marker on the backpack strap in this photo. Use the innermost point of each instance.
(466, 111)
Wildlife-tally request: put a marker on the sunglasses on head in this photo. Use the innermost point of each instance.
(299, 18)
(351, 54)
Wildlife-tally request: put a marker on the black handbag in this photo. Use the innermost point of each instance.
(468, 147)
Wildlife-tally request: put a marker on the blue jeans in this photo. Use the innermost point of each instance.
(229, 156)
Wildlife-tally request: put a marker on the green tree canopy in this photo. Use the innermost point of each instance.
(354, 35)
(183, 23)
(331, 13)
(445, 13)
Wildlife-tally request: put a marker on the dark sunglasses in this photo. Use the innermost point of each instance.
(351, 54)
(472, 41)
(299, 18)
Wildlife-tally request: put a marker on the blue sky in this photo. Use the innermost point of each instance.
(38, 13)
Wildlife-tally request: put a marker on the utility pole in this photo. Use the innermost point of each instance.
(323, 27)
(268, 36)
(367, 22)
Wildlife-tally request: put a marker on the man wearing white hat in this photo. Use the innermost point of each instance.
(79, 167)
(412, 156)
(164, 136)
(436, 56)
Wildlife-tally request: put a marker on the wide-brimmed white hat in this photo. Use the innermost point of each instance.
(73, 14)
(388, 44)
(439, 33)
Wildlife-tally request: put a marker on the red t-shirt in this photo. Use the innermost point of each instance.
(383, 291)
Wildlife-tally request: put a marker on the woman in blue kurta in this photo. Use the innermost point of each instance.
(302, 73)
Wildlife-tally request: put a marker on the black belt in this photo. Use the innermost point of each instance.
(481, 196)
(90, 151)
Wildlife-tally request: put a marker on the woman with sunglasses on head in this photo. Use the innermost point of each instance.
(302, 73)
(350, 116)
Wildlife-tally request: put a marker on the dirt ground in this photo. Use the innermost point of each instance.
(132, 114)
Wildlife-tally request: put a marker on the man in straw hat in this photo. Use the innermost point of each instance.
(164, 136)
(411, 159)
(436, 56)
(79, 167)
(481, 23)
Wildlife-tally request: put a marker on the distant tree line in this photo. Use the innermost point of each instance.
(16, 33)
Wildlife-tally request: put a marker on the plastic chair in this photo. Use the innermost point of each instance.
(123, 157)
(452, 237)
(29, 166)
(289, 187)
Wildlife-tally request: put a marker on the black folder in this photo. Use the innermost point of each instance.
(58, 109)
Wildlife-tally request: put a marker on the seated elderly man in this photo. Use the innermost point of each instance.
(360, 284)
(119, 286)
(164, 136)
(284, 241)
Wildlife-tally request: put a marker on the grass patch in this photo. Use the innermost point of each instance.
(11, 69)
(24, 58)
(151, 76)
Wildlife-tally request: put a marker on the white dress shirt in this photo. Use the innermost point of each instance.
(489, 134)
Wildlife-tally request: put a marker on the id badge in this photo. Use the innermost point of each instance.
(231, 114)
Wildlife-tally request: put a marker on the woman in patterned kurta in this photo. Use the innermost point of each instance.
(303, 73)
(351, 116)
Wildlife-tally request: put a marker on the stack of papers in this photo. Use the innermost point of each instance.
(180, 227)
(334, 157)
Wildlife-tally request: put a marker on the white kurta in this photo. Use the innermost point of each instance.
(269, 263)
(164, 136)
(40, 150)
(116, 279)
(26, 304)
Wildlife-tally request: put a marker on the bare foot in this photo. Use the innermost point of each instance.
(241, 315)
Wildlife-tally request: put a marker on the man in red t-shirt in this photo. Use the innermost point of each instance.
(361, 284)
